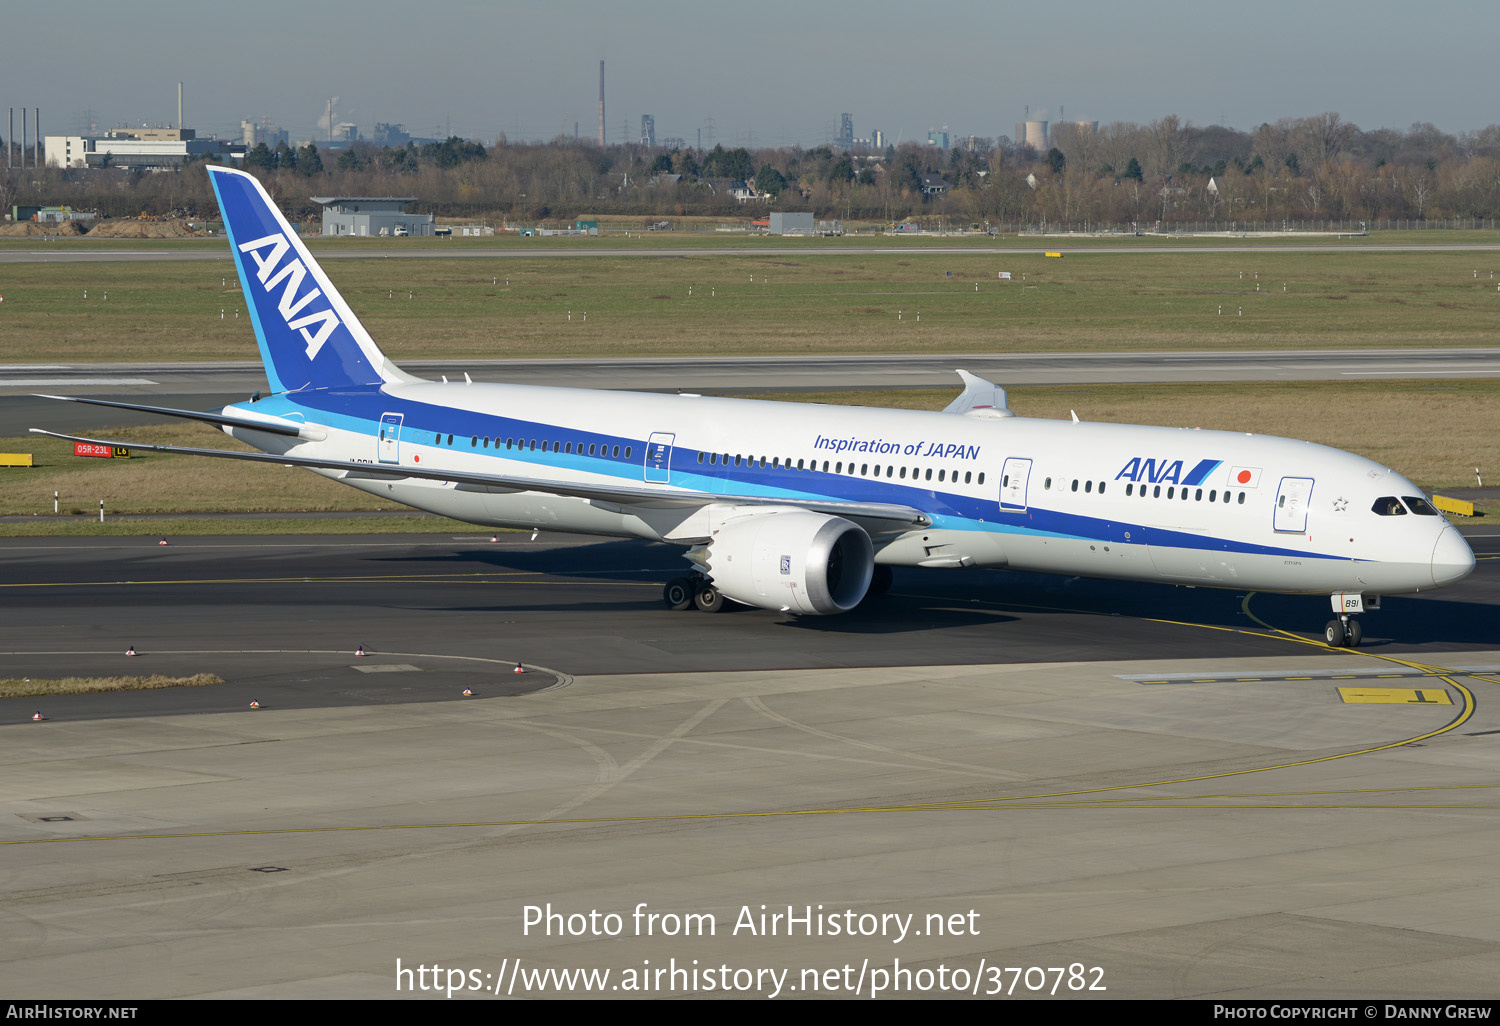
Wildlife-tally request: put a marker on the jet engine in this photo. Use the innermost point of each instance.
(793, 560)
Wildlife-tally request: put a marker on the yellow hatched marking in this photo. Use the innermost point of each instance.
(1396, 696)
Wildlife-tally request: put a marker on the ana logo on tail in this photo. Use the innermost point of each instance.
(290, 304)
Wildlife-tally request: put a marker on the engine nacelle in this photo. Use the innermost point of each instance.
(792, 559)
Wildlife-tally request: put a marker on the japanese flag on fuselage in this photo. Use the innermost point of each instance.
(1245, 477)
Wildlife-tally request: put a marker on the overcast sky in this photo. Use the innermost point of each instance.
(753, 72)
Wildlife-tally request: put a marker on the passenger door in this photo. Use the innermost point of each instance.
(1292, 498)
(659, 457)
(1013, 480)
(390, 438)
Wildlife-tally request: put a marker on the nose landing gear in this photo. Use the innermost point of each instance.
(1345, 632)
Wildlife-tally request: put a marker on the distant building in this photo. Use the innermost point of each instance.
(934, 185)
(372, 215)
(791, 223)
(939, 137)
(846, 131)
(673, 142)
(254, 134)
(648, 130)
(738, 188)
(135, 148)
(387, 134)
(1033, 134)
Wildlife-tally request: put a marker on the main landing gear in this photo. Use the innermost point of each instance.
(694, 592)
(1344, 632)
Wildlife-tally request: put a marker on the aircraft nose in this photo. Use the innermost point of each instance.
(1452, 559)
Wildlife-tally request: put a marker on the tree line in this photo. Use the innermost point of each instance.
(1166, 171)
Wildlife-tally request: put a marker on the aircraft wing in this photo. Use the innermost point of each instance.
(617, 492)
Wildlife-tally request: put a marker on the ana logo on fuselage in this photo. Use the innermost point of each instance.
(1165, 471)
(290, 304)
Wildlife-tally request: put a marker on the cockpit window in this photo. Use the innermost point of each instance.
(1420, 506)
(1389, 506)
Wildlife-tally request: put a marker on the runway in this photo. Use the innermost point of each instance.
(59, 251)
(1151, 784)
(205, 385)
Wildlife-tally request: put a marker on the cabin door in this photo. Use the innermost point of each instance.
(1013, 480)
(1291, 503)
(390, 438)
(659, 457)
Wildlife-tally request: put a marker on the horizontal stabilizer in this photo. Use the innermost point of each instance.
(272, 425)
(617, 492)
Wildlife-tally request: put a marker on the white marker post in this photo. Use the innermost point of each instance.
(101, 511)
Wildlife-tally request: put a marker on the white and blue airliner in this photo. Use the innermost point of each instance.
(805, 508)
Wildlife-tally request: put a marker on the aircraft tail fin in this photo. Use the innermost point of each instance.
(308, 336)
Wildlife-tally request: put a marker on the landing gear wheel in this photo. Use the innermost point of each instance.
(678, 593)
(1334, 634)
(881, 580)
(1353, 634)
(708, 599)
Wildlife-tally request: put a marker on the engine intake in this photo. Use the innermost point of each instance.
(792, 559)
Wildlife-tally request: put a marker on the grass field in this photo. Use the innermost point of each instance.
(786, 301)
(1435, 432)
(27, 688)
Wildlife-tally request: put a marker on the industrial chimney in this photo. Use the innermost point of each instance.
(601, 103)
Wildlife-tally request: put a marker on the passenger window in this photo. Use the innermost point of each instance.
(1075, 484)
(1242, 498)
(700, 457)
(1130, 489)
(486, 444)
(615, 452)
(1388, 506)
(1418, 505)
(1198, 495)
(1213, 496)
(627, 452)
(903, 473)
(967, 475)
(928, 476)
(864, 469)
(981, 477)
(1047, 484)
(591, 448)
(1156, 492)
(799, 464)
(1101, 487)
(474, 442)
(825, 466)
(1088, 486)
(450, 439)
